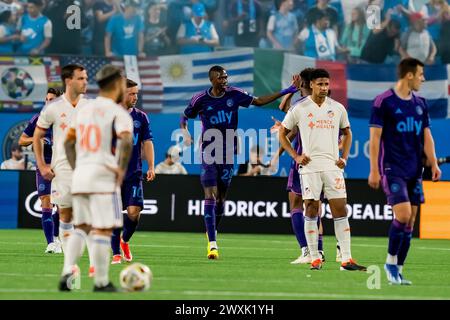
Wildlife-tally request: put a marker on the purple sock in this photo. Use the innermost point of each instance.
(115, 241)
(55, 217)
(298, 224)
(396, 235)
(404, 248)
(219, 213)
(210, 218)
(129, 227)
(47, 224)
(320, 242)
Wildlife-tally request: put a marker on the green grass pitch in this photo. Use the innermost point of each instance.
(250, 267)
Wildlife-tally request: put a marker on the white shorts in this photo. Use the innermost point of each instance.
(331, 182)
(101, 211)
(61, 193)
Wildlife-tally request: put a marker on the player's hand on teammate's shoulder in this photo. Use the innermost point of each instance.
(436, 173)
(296, 81)
(341, 163)
(374, 180)
(47, 172)
(151, 174)
(302, 159)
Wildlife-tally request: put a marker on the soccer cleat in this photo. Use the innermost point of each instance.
(69, 278)
(117, 259)
(63, 282)
(316, 264)
(351, 265)
(392, 274)
(403, 281)
(91, 272)
(322, 255)
(304, 258)
(58, 246)
(108, 288)
(338, 253)
(127, 256)
(50, 248)
(213, 254)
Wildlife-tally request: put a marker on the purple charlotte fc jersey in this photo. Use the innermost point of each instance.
(48, 138)
(402, 139)
(142, 132)
(219, 113)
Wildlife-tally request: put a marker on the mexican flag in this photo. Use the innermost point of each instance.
(274, 70)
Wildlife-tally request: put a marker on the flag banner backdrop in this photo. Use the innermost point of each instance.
(165, 125)
(167, 83)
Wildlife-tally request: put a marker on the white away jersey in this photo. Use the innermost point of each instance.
(96, 126)
(319, 131)
(58, 113)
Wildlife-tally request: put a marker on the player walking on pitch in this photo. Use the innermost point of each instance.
(98, 175)
(319, 119)
(400, 127)
(132, 190)
(218, 110)
(58, 114)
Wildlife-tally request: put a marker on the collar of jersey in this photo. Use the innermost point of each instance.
(209, 94)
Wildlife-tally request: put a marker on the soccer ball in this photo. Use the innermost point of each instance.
(136, 277)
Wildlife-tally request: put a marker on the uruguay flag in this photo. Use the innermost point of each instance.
(185, 75)
(365, 82)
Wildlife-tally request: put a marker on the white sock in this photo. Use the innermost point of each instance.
(74, 250)
(101, 247)
(213, 244)
(342, 230)
(400, 269)
(312, 237)
(391, 259)
(89, 243)
(65, 229)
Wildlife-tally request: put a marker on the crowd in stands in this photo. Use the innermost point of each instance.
(322, 29)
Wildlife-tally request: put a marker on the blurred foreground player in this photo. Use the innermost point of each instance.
(218, 110)
(400, 126)
(50, 224)
(98, 175)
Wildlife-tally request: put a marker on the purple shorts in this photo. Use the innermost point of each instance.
(132, 193)
(400, 190)
(43, 186)
(293, 184)
(216, 175)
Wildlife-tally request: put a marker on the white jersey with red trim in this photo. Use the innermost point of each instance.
(58, 115)
(319, 131)
(96, 126)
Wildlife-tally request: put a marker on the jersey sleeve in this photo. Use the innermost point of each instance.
(290, 120)
(146, 130)
(46, 118)
(377, 114)
(123, 123)
(244, 98)
(426, 115)
(344, 122)
(29, 130)
(193, 108)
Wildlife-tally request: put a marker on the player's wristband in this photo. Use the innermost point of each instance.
(183, 120)
(291, 89)
(343, 160)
